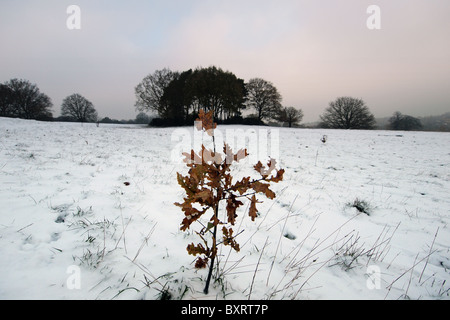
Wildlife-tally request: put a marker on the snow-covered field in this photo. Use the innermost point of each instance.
(87, 212)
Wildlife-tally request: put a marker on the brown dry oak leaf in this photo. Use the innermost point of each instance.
(263, 188)
(205, 121)
(232, 205)
(229, 240)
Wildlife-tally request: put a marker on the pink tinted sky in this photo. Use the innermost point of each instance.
(312, 51)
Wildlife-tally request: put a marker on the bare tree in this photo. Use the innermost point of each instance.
(264, 97)
(79, 108)
(151, 89)
(347, 113)
(291, 116)
(6, 101)
(24, 100)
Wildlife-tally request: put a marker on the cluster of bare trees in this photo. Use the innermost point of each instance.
(403, 122)
(20, 98)
(178, 96)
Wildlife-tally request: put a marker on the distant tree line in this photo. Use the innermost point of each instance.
(436, 123)
(353, 113)
(176, 97)
(20, 98)
(399, 121)
(141, 118)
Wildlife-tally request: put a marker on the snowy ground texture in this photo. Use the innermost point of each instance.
(87, 212)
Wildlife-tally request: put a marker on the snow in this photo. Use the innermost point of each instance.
(87, 212)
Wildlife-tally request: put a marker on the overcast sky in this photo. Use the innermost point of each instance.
(312, 51)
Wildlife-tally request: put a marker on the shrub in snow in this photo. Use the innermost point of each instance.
(208, 183)
(361, 205)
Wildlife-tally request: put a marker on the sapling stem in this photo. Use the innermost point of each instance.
(213, 258)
